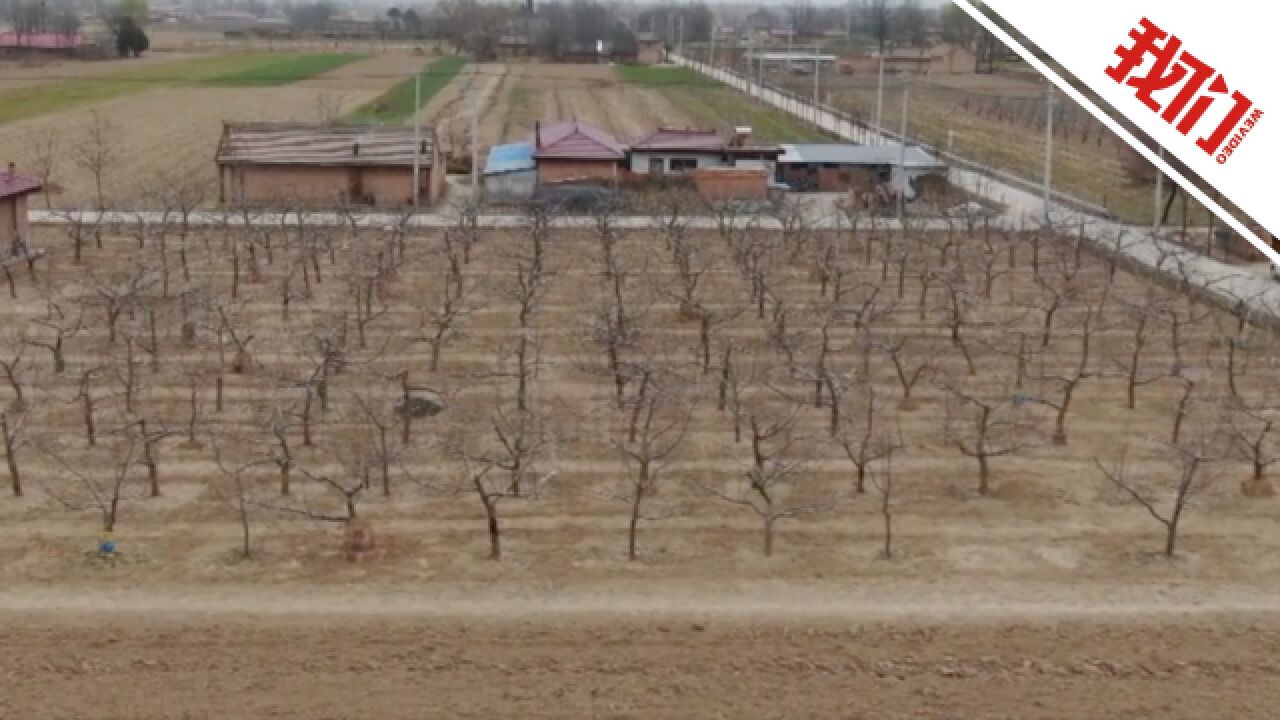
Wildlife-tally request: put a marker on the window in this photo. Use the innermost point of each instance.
(655, 166)
(679, 165)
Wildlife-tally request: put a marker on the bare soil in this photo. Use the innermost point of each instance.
(169, 136)
(1046, 597)
(670, 663)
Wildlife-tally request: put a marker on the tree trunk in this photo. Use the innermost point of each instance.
(768, 537)
(9, 455)
(284, 478)
(634, 524)
(495, 535)
(984, 474)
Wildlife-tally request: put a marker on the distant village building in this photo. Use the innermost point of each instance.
(649, 49)
(838, 167)
(14, 190)
(15, 44)
(575, 152)
(327, 165)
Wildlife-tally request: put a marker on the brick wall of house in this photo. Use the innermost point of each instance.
(725, 184)
(327, 186)
(13, 220)
(558, 171)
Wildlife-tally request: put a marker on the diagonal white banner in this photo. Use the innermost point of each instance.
(1198, 88)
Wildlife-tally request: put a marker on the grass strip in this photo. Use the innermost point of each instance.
(396, 105)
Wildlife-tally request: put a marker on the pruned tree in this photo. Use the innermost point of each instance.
(13, 431)
(95, 153)
(1165, 494)
(236, 487)
(659, 421)
(863, 441)
(984, 424)
(1251, 429)
(774, 485)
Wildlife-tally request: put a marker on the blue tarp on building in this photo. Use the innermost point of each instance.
(509, 158)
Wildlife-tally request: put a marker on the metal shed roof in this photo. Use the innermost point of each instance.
(327, 145)
(844, 154)
(509, 158)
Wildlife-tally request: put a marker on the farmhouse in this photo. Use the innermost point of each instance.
(574, 151)
(676, 150)
(327, 165)
(14, 189)
(843, 167)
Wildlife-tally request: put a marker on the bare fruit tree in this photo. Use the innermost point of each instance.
(659, 422)
(1165, 493)
(985, 423)
(775, 485)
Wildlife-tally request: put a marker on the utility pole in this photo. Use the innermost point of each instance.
(817, 99)
(902, 152)
(880, 102)
(475, 151)
(1048, 154)
(711, 59)
(417, 135)
(1158, 218)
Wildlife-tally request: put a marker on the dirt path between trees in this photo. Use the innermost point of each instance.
(755, 651)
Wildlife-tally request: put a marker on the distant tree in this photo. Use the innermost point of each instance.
(877, 19)
(396, 18)
(131, 40)
(310, 16)
(412, 22)
(910, 23)
(623, 41)
(135, 10)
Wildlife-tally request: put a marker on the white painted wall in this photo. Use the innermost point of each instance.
(640, 160)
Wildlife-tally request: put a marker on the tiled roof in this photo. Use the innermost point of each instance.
(12, 184)
(328, 145)
(573, 140)
(680, 139)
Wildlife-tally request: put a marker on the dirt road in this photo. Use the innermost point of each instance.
(304, 654)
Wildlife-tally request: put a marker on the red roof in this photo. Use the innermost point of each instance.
(43, 41)
(573, 140)
(13, 184)
(680, 139)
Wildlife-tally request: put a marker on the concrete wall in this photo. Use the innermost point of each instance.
(385, 187)
(512, 187)
(554, 171)
(640, 160)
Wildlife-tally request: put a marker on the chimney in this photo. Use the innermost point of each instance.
(355, 148)
(537, 135)
(12, 171)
